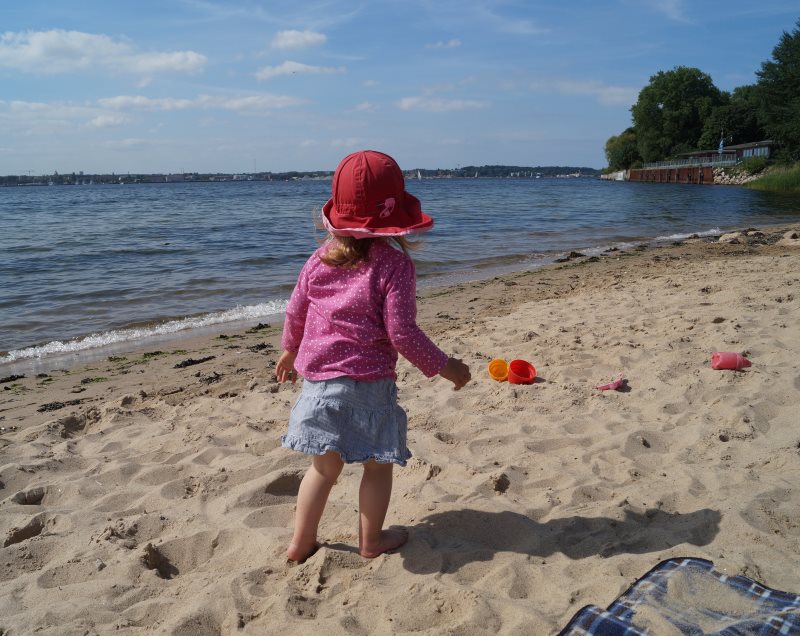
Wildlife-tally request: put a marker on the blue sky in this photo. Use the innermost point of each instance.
(233, 86)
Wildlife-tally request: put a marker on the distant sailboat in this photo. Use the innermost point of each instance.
(419, 175)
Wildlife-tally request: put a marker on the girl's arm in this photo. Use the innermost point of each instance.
(400, 319)
(295, 322)
(293, 327)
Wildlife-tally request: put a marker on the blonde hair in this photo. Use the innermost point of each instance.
(348, 251)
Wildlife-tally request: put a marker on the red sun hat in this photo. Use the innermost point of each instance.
(369, 199)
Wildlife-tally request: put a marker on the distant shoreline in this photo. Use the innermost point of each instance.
(491, 171)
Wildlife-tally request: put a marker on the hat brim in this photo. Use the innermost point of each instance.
(419, 222)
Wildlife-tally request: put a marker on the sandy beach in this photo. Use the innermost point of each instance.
(147, 492)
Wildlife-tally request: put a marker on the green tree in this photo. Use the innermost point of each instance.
(621, 150)
(736, 119)
(779, 87)
(669, 115)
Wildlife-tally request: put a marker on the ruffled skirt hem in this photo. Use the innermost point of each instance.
(315, 448)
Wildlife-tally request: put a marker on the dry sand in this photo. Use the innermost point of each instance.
(136, 497)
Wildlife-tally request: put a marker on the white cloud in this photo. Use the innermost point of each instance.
(176, 61)
(128, 144)
(365, 107)
(450, 44)
(294, 68)
(256, 102)
(603, 93)
(59, 51)
(45, 119)
(55, 110)
(608, 95)
(439, 104)
(673, 9)
(503, 24)
(297, 39)
(108, 121)
(139, 102)
(21, 106)
(349, 142)
(370, 83)
(263, 101)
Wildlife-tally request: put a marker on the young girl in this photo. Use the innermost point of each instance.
(352, 310)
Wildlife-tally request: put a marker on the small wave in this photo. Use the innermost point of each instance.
(116, 336)
(627, 245)
(681, 237)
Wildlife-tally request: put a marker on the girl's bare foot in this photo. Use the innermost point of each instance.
(391, 539)
(300, 553)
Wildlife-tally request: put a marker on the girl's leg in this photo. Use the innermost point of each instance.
(373, 502)
(311, 500)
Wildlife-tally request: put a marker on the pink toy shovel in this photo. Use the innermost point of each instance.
(613, 385)
(729, 360)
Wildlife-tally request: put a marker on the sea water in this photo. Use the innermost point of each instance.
(85, 267)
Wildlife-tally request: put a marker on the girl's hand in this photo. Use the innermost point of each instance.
(285, 368)
(457, 372)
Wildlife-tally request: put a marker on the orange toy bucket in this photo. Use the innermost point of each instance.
(498, 370)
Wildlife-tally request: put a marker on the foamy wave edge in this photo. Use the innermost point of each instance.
(116, 336)
(626, 245)
(683, 237)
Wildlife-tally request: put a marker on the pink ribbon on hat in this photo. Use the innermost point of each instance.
(388, 208)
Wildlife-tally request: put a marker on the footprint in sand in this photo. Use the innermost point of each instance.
(763, 413)
(29, 556)
(436, 611)
(75, 572)
(205, 621)
(121, 504)
(649, 443)
(179, 556)
(327, 573)
(31, 497)
(258, 583)
(278, 487)
(591, 492)
(302, 606)
(773, 512)
(69, 426)
(35, 527)
(207, 456)
(159, 475)
(193, 485)
(274, 500)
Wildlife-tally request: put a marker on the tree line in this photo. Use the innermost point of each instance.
(681, 110)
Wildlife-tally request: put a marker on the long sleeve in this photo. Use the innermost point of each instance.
(296, 312)
(400, 320)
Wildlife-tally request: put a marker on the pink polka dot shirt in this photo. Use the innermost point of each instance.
(344, 321)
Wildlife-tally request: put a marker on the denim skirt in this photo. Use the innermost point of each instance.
(358, 420)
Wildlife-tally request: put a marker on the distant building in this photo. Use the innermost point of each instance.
(698, 166)
(735, 152)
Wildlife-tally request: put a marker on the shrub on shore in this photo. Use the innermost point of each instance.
(754, 165)
(779, 179)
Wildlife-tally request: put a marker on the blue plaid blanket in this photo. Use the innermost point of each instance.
(688, 596)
